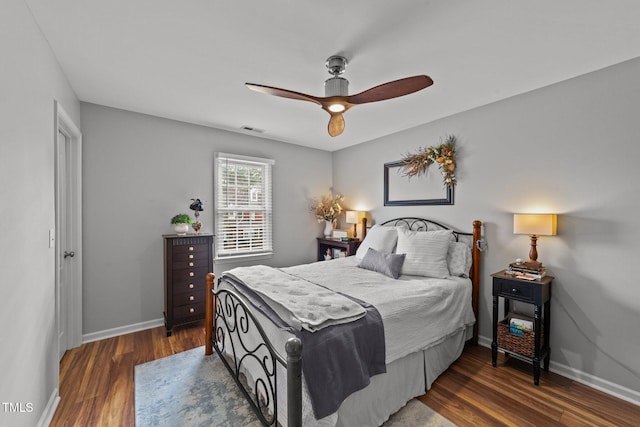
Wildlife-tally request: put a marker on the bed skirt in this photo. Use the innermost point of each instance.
(406, 378)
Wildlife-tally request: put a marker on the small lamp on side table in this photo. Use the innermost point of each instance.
(535, 225)
(353, 217)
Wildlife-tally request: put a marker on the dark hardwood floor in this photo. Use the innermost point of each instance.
(474, 393)
(96, 379)
(97, 387)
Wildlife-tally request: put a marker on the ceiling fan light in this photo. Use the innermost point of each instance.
(336, 108)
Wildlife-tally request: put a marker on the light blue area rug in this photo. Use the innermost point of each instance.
(190, 389)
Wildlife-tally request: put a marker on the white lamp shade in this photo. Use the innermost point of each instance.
(535, 224)
(352, 217)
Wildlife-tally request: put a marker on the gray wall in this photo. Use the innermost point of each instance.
(30, 81)
(570, 148)
(141, 170)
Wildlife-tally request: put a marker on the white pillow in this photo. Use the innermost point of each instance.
(382, 239)
(459, 259)
(426, 252)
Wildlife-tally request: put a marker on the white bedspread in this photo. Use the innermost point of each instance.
(417, 312)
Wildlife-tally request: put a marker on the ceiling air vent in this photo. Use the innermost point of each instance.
(252, 129)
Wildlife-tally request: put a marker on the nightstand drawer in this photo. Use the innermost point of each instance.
(512, 289)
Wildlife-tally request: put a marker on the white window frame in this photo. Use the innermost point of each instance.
(224, 206)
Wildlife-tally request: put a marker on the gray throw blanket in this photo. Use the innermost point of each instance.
(337, 360)
(341, 359)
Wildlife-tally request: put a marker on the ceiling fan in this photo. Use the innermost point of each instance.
(337, 99)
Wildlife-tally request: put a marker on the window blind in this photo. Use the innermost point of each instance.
(243, 206)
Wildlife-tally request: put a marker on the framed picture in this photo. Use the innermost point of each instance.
(426, 189)
(337, 253)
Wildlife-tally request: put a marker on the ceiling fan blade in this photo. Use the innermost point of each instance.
(284, 93)
(391, 90)
(336, 124)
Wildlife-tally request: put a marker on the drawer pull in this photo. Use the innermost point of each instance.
(190, 285)
(190, 248)
(191, 274)
(190, 256)
(191, 310)
(514, 291)
(191, 298)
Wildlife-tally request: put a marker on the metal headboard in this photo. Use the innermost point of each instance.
(423, 224)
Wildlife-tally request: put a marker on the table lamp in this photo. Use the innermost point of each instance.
(535, 225)
(353, 217)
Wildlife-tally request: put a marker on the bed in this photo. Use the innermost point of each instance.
(389, 329)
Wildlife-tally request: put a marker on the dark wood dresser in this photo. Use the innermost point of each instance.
(187, 260)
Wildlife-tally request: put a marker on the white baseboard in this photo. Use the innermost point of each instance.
(50, 409)
(114, 332)
(592, 381)
(603, 385)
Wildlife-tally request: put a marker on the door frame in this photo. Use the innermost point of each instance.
(73, 316)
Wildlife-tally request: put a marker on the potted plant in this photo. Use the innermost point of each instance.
(181, 223)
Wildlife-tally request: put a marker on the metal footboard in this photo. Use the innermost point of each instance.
(229, 322)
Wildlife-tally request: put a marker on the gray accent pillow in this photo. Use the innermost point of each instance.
(387, 264)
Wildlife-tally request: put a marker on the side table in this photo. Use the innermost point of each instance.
(537, 293)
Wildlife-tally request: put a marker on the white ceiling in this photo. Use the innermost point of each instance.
(188, 60)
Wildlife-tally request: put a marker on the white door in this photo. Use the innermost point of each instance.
(68, 233)
(64, 253)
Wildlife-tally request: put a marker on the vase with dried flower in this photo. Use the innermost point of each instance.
(327, 209)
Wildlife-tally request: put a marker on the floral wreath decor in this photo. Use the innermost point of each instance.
(443, 154)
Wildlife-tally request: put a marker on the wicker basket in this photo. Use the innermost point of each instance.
(522, 344)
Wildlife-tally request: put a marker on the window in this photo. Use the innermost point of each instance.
(243, 211)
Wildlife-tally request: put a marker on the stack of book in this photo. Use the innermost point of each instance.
(517, 326)
(521, 271)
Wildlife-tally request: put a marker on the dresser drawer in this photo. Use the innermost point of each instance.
(190, 274)
(189, 286)
(191, 264)
(196, 296)
(189, 310)
(516, 290)
(189, 249)
(190, 256)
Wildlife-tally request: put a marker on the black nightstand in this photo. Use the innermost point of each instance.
(537, 293)
(349, 247)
